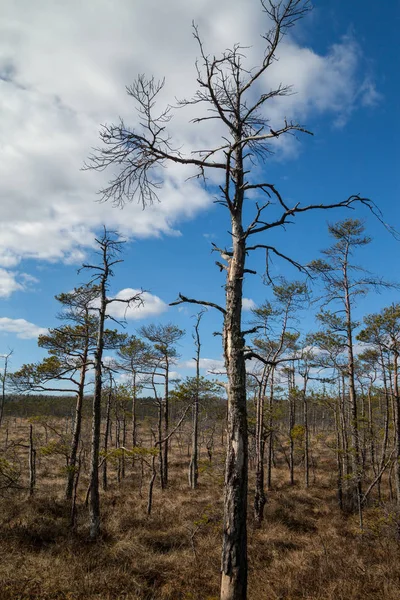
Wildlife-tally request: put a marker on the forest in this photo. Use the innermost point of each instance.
(274, 474)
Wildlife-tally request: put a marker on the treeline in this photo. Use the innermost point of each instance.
(32, 405)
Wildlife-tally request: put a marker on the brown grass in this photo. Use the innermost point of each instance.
(305, 548)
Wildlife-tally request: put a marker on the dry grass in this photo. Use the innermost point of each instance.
(305, 549)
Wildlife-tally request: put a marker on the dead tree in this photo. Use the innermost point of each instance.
(229, 92)
(193, 466)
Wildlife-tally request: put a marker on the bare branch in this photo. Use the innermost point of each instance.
(183, 299)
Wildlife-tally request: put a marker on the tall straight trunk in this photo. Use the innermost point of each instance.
(76, 434)
(3, 391)
(123, 445)
(118, 443)
(306, 434)
(343, 423)
(259, 495)
(94, 495)
(165, 426)
(32, 463)
(134, 410)
(339, 451)
(386, 422)
(159, 433)
(292, 418)
(106, 436)
(363, 439)
(234, 543)
(371, 432)
(397, 408)
(270, 432)
(193, 466)
(356, 487)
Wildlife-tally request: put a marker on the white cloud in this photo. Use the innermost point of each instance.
(21, 328)
(8, 283)
(152, 305)
(63, 70)
(248, 304)
(12, 281)
(208, 364)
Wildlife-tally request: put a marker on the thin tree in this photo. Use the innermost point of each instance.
(383, 331)
(135, 358)
(109, 247)
(342, 288)
(273, 345)
(193, 465)
(75, 344)
(230, 93)
(3, 380)
(164, 339)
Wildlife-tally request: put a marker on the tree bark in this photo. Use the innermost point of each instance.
(94, 496)
(76, 434)
(234, 546)
(32, 463)
(193, 466)
(259, 495)
(165, 426)
(106, 436)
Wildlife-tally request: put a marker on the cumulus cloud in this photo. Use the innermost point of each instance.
(63, 71)
(151, 305)
(248, 304)
(8, 283)
(21, 328)
(13, 281)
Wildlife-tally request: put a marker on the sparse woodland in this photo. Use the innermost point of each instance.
(277, 476)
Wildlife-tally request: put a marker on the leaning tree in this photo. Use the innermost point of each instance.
(238, 98)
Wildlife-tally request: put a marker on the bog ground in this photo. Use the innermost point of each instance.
(305, 548)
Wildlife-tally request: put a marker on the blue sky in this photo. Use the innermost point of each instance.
(63, 68)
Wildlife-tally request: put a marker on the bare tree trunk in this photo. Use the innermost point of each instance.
(259, 495)
(193, 466)
(234, 544)
(306, 435)
(106, 436)
(339, 451)
(151, 485)
(386, 423)
(165, 430)
(134, 411)
(397, 409)
(75, 494)
(118, 441)
(94, 495)
(123, 445)
(356, 487)
(76, 435)
(292, 417)
(271, 432)
(32, 463)
(3, 384)
(345, 443)
(159, 432)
